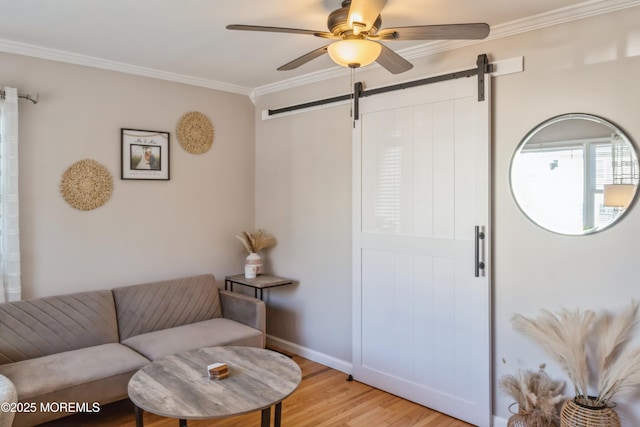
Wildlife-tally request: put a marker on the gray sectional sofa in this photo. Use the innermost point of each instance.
(83, 348)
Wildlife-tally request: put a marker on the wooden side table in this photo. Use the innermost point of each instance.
(261, 282)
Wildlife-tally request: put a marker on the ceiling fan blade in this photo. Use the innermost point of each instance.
(436, 32)
(393, 62)
(365, 12)
(279, 30)
(303, 59)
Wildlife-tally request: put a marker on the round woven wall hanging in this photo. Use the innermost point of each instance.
(86, 185)
(195, 133)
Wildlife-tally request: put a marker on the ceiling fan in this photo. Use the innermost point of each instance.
(356, 29)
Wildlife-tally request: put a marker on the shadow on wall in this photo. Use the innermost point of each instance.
(282, 322)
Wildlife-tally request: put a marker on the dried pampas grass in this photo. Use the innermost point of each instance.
(253, 242)
(571, 337)
(536, 393)
(618, 367)
(622, 379)
(563, 337)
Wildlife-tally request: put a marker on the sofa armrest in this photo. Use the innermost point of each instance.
(244, 309)
(8, 394)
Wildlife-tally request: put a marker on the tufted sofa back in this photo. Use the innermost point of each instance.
(50, 325)
(161, 305)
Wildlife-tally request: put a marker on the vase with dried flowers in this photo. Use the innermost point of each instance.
(537, 396)
(591, 349)
(254, 242)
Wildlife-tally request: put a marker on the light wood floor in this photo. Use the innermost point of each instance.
(324, 398)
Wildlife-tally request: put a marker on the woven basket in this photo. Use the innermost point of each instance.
(574, 414)
(527, 419)
(519, 420)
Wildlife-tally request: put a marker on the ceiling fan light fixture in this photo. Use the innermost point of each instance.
(358, 26)
(354, 53)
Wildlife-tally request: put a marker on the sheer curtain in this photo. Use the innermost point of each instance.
(9, 202)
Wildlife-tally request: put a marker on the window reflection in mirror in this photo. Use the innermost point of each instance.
(574, 174)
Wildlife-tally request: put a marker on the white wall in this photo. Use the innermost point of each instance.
(300, 187)
(148, 230)
(303, 181)
(303, 197)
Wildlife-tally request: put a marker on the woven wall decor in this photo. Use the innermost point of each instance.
(195, 133)
(86, 185)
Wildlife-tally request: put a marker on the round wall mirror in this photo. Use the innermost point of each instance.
(574, 174)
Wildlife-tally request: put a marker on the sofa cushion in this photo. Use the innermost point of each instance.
(161, 305)
(208, 333)
(60, 371)
(44, 326)
(95, 374)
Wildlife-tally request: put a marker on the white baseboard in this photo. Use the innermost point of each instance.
(332, 362)
(315, 356)
(499, 422)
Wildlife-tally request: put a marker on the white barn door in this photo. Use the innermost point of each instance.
(421, 327)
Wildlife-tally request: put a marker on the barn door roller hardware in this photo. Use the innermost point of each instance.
(482, 68)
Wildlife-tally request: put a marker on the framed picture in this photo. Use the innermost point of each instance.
(145, 154)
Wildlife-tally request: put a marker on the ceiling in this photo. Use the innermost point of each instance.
(186, 40)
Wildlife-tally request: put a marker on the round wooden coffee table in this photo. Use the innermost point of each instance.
(178, 386)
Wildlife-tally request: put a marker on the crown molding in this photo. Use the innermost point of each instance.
(567, 14)
(91, 61)
(559, 16)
